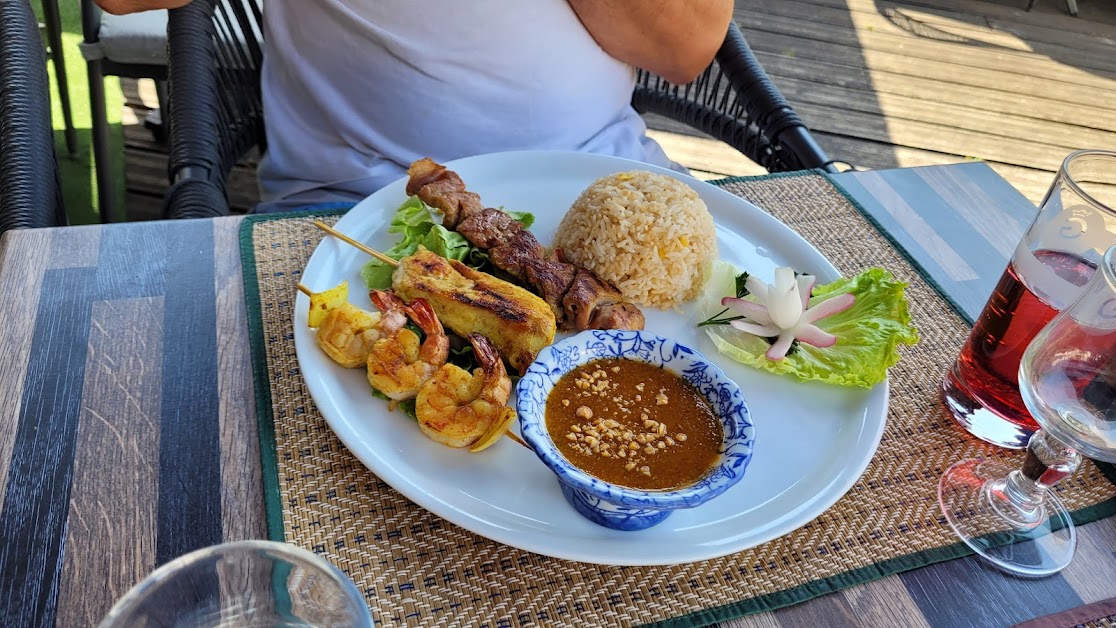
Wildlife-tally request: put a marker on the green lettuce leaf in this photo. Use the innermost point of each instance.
(407, 406)
(868, 334)
(525, 218)
(414, 220)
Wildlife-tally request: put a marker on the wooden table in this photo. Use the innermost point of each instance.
(127, 422)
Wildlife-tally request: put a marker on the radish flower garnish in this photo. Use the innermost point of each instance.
(846, 333)
(780, 312)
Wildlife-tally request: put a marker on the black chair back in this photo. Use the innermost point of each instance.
(215, 54)
(735, 101)
(30, 193)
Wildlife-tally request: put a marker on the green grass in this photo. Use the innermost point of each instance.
(79, 185)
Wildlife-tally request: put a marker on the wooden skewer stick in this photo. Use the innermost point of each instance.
(387, 260)
(304, 290)
(344, 238)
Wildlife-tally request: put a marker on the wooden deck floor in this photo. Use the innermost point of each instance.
(886, 84)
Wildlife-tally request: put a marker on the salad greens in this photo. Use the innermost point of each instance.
(868, 333)
(415, 221)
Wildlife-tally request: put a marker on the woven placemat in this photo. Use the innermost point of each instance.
(418, 569)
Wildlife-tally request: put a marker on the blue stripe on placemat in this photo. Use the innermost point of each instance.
(975, 594)
(981, 264)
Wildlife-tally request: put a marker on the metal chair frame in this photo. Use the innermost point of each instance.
(53, 24)
(110, 207)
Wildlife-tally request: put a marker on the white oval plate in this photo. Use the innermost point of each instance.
(812, 441)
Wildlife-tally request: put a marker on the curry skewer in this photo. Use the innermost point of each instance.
(518, 323)
(387, 260)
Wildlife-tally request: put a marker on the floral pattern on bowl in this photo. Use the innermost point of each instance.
(617, 506)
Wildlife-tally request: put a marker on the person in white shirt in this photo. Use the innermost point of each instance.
(355, 90)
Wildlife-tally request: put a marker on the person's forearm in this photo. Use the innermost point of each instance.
(120, 7)
(675, 39)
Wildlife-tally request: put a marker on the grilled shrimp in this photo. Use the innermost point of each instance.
(347, 332)
(455, 407)
(398, 364)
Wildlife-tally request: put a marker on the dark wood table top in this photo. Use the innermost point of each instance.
(128, 430)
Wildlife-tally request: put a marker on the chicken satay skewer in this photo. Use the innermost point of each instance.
(519, 323)
(387, 260)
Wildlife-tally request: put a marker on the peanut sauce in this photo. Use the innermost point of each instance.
(633, 424)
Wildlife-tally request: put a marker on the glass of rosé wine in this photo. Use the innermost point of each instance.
(1057, 255)
(1067, 379)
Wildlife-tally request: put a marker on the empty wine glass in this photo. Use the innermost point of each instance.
(1067, 379)
(244, 584)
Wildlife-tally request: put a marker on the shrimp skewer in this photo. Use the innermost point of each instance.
(346, 332)
(398, 365)
(459, 409)
(518, 323)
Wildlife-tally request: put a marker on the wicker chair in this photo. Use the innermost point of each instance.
(216, 114)
(736, 102)
(30, 195)
(215, 111)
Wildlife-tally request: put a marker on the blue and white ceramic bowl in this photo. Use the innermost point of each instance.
(617, 506)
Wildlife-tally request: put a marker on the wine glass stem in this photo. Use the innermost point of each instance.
(1020, 497)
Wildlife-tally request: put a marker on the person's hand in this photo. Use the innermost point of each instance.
(675, 39)
(120, 7)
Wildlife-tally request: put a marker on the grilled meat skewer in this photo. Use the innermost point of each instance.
(509, 251)
(551, 279)
(443, 190)
(578, 298)
(593, 303)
